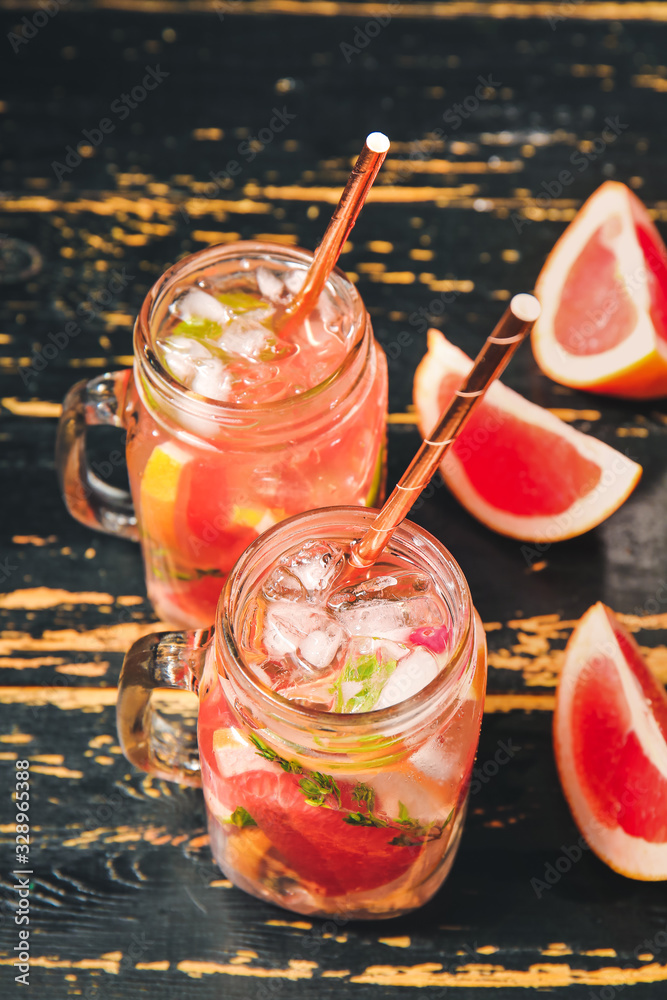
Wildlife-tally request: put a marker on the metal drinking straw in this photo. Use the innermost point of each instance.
(512, 329)
(351, 202)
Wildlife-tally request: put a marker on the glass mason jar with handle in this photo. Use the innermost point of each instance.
(207, 475)
(321, 812)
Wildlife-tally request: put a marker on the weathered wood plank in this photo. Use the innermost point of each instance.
(118, 855)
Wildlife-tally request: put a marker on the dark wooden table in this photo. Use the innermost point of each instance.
(124, 900)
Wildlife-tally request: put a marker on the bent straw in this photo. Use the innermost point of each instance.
(512, 329)
(351, 202)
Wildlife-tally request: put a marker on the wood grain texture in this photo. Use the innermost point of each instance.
(126, 900)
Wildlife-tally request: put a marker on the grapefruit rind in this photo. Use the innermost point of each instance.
(619, 474)
(636, 368)
(594, 636)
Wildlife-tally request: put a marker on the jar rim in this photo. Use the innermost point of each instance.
(443, 688)
(164, 383)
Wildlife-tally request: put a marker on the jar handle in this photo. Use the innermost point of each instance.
(87, 497)
(162, 741)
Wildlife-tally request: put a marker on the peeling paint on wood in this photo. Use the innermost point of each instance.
(39, 598)
(545, 976)
(296, 969)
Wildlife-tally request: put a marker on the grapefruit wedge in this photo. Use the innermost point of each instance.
(315, 842)
(610, 740)
(603, 292)
(515, 466)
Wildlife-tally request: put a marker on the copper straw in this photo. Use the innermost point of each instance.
(512, 329)
(351, 202)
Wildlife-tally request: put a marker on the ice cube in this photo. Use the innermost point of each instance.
(420, 611)
(380, 619)
(313, 693)
(179, 355)
(276, 676)
(320, 647)
(246, 336)
(211, 379)
(317, 565)
(329, 313)
(181, 367)
(254, 376)
(283, 585)
(288, 623)
(197, 304)
(386, 606)
(180, 344)
(412, 674)
(294, 279)
(269, 284)
(397, 586)
(259, 393)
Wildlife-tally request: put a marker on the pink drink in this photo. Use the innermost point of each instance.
(220, 341)
(362, 820)
(335, 638)
(233, 426)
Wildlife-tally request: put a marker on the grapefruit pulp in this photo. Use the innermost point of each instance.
(603, 292)
(610, 741)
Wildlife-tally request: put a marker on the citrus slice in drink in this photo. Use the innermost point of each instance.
(610, 740)
(603, 292)
(515, 466)
(214, 526)
(314, 840)
(159, 491)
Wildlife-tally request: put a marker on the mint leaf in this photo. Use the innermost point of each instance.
(317, 788)
(315, 796)
(274, 349)
(404, 840)
(362, 819)
(199, 329)
(205, 331)
(241, 817)
(327, 785)
(265, 751)
(370, 673)
(240, 302)
(364, 795)
(262, 749)
(403, 814)
(364, 668)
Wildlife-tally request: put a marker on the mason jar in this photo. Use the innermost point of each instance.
(378, 835)
(207, 477)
